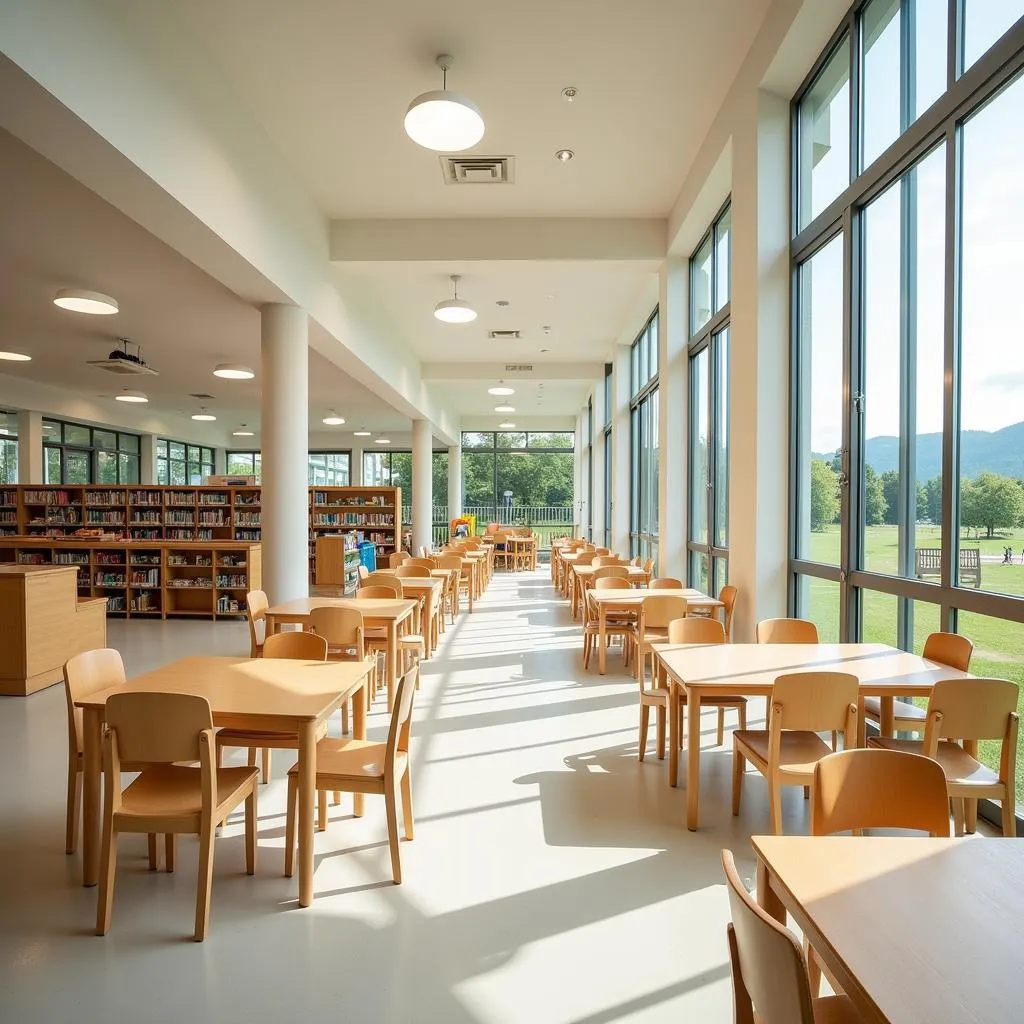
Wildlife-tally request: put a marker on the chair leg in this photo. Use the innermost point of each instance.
(1009, 815)
(958, 817)
(392, 815)
(407, 803)
(661, 713)
(742, 709)
(775, 800)
(74, 802)
(154, 861)
(586, 650)
(266, 765)
(170, 850)
(645, 721)
(813, 969)
(250, 833)
(970, 816)
(739, 763)
(344, 718)
(250, 757)
(108, 869)
(204, 882)
(321, 810)
(291, 809)
(720, 737)
(835, 740)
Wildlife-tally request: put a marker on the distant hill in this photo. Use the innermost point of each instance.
(1001, 451)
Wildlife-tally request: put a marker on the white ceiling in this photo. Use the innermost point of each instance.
(330, 82)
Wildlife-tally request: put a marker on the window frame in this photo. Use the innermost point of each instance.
(644, 411)
(92, 451)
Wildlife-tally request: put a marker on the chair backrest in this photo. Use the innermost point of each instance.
(383, 579)
(256, 605)
(815, 702)
(666, 583)
(657, 611)
(362, 571)
(970, 709)
(869, 788)
(768, 966)
(412, 572)
(396, 558)
(427, 563)
(86, 673)
(599, 551)
(604, 560)
(786, 631)
(611, 583)
(296, 645)
(585, 558)
(696, 630)
(637, 562)
(649, 566)
(727, 595)
(339, 627)
(401, 717)
(949, 649)
(449, 562)
(611, 572)
(158, 728)
(378, 592)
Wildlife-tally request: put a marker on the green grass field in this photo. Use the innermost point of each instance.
(998, 644)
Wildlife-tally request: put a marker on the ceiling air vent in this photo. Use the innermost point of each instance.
(519, 367)
(478, 170)
(503, 335)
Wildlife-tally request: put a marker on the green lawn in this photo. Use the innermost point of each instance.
(998, 644)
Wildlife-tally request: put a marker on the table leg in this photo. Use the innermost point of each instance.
(692, 758)
(307, 798)
(862, 735)
(392, 677)
(887, 723)
(359, 702)
(673, 731)
(271, 625)
(428, 614)
(602, 634)
(472, 585)
(91, 743)
(767, 898)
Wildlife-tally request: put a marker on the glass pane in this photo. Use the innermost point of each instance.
(652, 340)
(8, 461)
(77, 469)
(535, 489)
(439, 486)
(74, 434)
(998, 653)
(128, 468)
(984, 22)
(551, 439)
(52, 468)
(510, 439)
(699, 429)
(699, 571)
(700, 287)
(8, 424)
(608, 496)
(723, 260)
(879, 616)
(824, 136)
(904, 275)
(401, 474)
(128, 443)
(818, 600)
(720, 345)
(176, 450)
(653, 466)
(992, 362)
(925, 620)
(607, 399)
(104, 439)
(928, 53)
(162, 472)
(477, 439)
(478, 485)
(819, 402)
(51, 431)
(178, 475)
(239, 464)
(106, 467)
(721, 571)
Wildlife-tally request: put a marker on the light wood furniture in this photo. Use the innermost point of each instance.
(914, 930)
(428, 590)
(359, 767)
(613, 600)
(622, 626)
(948, 648)
(523, 550)
(656, 611)
(292, 646)
(727, 595)
(262, 694)
(336, 561)
(156, 730)
(960, 713)
(397, 558)
(42, 624)
(802, 705)
(786, 631)
(256, 605)
(750, 669)
(394, 615)
(461, 579)
(150, 579)
(582, 578)
(769, 981)
(666, 583)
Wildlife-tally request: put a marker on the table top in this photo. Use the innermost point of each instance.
(389, 608)
(583, 571)
(421, 583)
(636, 595)
(249, 686)
(931, 930)
(752, 668)
(521, 540)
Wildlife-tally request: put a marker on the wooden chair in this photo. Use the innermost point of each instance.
(161, 730)
(802, 705)
(381, 579)
(362, 571)
(256, 605)
(665, 583)
(621, 625)
(947, 649)
(601, 561)
(727, 595)
(502, 554)
(599, 551)
(656, 612)
(363, 766)
(427, 563)
(707, 631)
(345, 635)
(396, 558)
(960, 713)
(458, 580)
(785, 631)
(412, 572)
(649, 566)
(607, 572)
(297, 646)
(769, 975)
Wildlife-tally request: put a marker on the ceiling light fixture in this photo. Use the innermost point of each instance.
(333, 419)
(362, 432)
(569, 93)
(504, 408)
(15, 357)
(455, 310)
(501, 390)
(233, 371)
(242, 431)
(444, 121)
(203, 416)
(137, 397)
(80, 301)
(563, 156)
(382, 440)
(506, 426)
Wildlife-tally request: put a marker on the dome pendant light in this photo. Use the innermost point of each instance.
(444, 121)
(455, 310)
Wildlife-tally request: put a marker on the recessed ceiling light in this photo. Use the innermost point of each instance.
(382, 440)
(15, 357)
(545, 350)
(455, 310)
(569, 94)
(333, 419)
(501, 390)
(504, 408)
(131, 396)
(362, 433)
(506, 426)
(501, 302)
(80, 301)
(444, 121)
(233, 371)
(203, 416)
(242, 431)
(563, 156)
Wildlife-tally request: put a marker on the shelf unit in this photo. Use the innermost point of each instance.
(337, 562)
(146, 578)
(372, 513)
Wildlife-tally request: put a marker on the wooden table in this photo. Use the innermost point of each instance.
(513, 544)
(266, 694)
(750, 669)
(582, 578)
(623, 600)
(386, 613)
(565, 562)
(423, 588)
(914, 930)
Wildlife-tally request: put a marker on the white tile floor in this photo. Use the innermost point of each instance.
(551, 878)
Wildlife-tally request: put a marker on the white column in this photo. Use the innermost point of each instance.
(30, 448)
(622, 474)
(284, 431)
(598, 467)
(422, 485)
(147, 459)
(454, 481)
(673, 371)
(355, 467)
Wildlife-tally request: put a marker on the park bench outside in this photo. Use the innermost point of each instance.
(928, 565)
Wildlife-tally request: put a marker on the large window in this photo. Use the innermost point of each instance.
(329, 469)
(76, 454)
(908, 411)
(588, 465)
(178, 463)
(644, 442)
(710, 286)
(394, 469)
(8, 447)
(609, 411)
(245, 464)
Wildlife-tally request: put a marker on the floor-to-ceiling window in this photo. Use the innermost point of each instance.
(393, 468)
(248, 463)
(609, 410)
(644, 442)
(708, 479)
(907, 456)
(181, 463)
(329, 468)
(588, 465)
(8, 448)
(77, 454)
